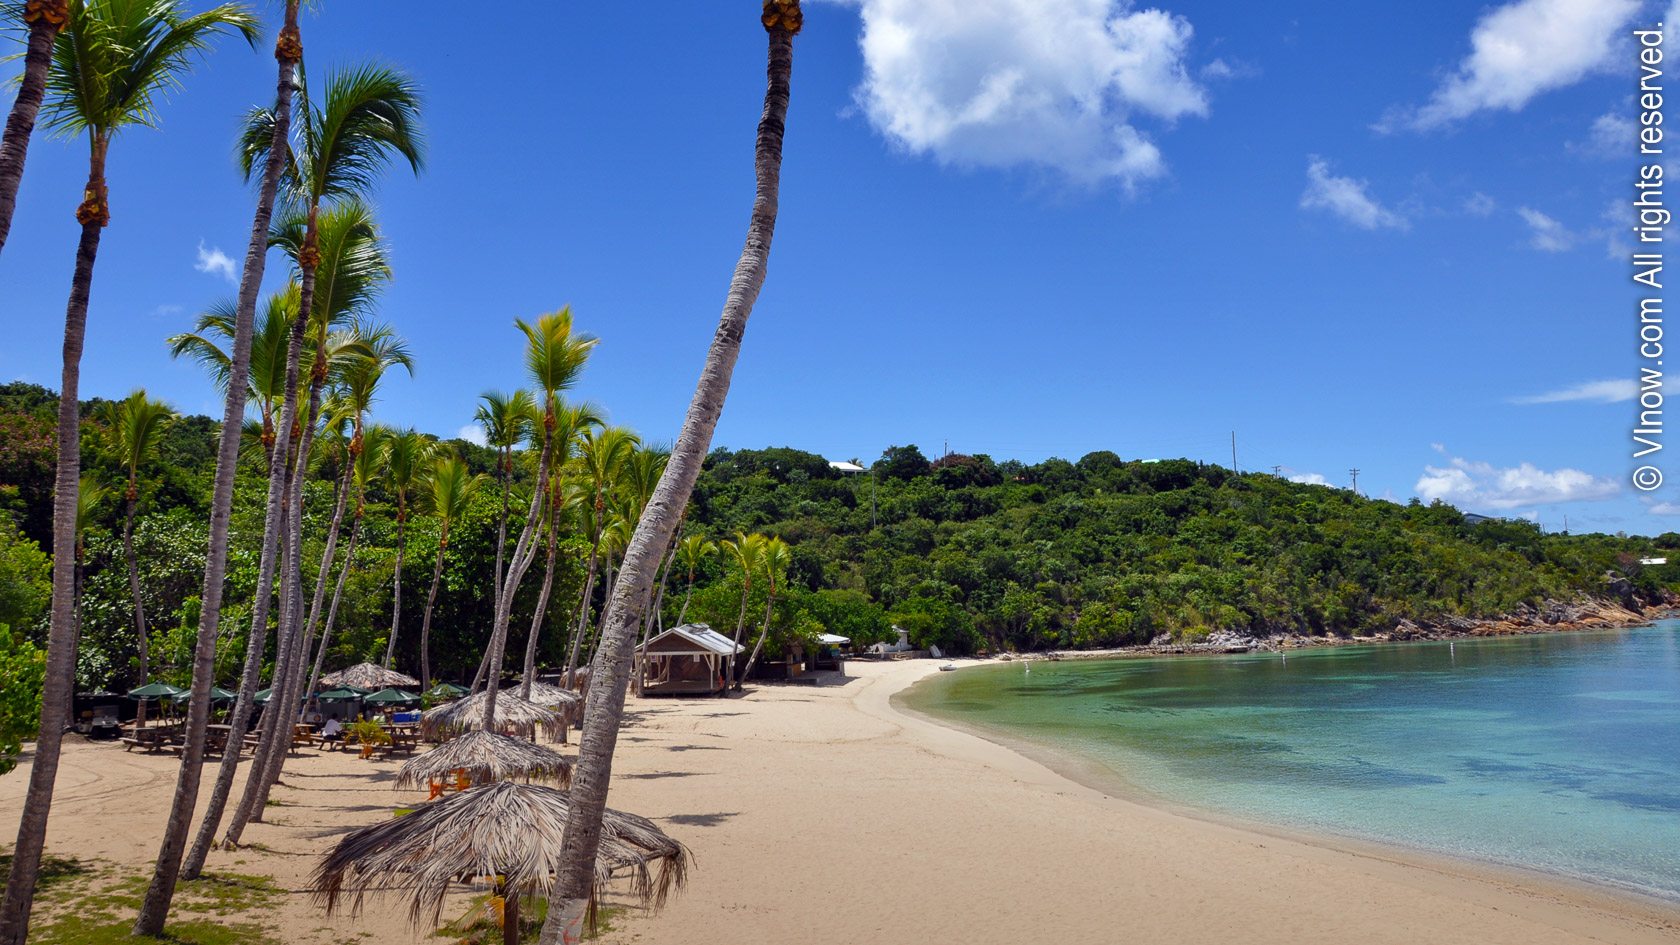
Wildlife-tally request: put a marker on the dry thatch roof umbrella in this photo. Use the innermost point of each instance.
(504, 829)
(512, 712)
(486, 757)
(369, 676)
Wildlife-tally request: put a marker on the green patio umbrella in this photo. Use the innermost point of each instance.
(342, 694)
(217, 694)
(447, 690)
(262, 696)
(392, 697)
(156, 690)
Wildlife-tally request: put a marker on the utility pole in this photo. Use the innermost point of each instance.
(1277, 471)
(1354, 473)
(1233, 451)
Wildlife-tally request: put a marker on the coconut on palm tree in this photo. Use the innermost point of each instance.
(113, 64)
(43, 19)
(605, 708)
(448, 491)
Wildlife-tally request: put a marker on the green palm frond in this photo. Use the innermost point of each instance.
(370, 117)
(116, 60)
(506, 418)
(554, 353)
(354, 264)
(132, 428)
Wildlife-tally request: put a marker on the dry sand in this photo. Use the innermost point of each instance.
(823, 814)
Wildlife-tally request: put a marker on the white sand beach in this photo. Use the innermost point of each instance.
(824, 814)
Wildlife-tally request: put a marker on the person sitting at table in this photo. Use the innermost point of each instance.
(332, 731)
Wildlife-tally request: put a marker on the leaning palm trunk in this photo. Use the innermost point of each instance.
(288, 52)
(769, 607)
(396, 590)
(740, 625)
(541, 613)
(426, 619)
(61, 657)
(134, 588)
(523, 553)
(583, 617)
(332, 609)
(604, 708)
(45, 18)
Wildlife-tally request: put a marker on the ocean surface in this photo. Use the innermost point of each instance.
(1557, 752)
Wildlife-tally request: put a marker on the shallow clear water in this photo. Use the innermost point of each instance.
(1558, 752)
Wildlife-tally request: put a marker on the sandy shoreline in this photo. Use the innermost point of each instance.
(826, 814)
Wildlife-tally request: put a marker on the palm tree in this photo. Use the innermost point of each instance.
(748, 552)
(133, 426)
(44, 18)
(89, 497)
(604, 710)
(112, 66)
(367, 467)
(212, 344)
(565, 494)
(692, 551)
(776, 560)
(604, 453)
(448, 490)
(507, 422)
(241, 362)
(409, 453)
(554, 358)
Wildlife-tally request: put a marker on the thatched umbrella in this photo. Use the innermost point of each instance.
(486, 757)
(523, 717)
(507, 830)
(368, 676)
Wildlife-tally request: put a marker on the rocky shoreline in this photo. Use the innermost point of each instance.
(1551, 617)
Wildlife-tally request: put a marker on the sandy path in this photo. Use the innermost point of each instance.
(823, 814)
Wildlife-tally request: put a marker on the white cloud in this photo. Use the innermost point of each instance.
(1521, 50)
(1664, 508)
(1310, 479)
(472, 433)
(1545, 233)
(1479, 204)
(1346, 197)
(213, 260)
(1598, 392)
(1022, 83)
(1611, 135)
(167, 310)
(1476, 485)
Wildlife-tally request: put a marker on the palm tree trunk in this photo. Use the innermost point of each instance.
(45, 19)
(740, 625)
(655, 613)
(134, 589)
(501, 523)
(538, 617)
(769, 606)
(523, 552)
(583, 620)
(59, 685)
(688, 596)
(332, 609)
(605, 706)
(426, 620)
(396, 590)
(227, 463)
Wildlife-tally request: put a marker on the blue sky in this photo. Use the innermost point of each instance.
(1358, 237)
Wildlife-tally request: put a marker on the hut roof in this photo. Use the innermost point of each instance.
(547, 694)
(368, 676)
(523, 717)
(693, 637)
(507, 829)
(486, 756)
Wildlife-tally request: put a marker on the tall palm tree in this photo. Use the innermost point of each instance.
(367, 467)
(448, 491)
(565, 494)
(554, 358)
(89, 497)
(604, 709)
(409, 453)
(133, 426)
(507, 422)
(113, 64)
(776, 560)
(288, 54)
(44, 18)
(603, 454)
(748, 553)
(693, 551)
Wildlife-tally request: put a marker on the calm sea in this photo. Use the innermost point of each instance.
(1558, 752)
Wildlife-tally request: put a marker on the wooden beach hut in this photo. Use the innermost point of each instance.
(686, 661)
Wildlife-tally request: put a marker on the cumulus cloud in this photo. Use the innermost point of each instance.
(1519, 51)
(1478, 485)
(1664, 508)
(1611, 135)
(1479, 204)
(472, 433)
(1310, 479)
(213, 260)
(1346, 198)
(1022, 83)
(1597, 392)
(1545, 233)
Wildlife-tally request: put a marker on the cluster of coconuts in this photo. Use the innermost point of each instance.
(783, 14)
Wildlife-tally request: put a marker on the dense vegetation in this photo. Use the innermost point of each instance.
(965, 553)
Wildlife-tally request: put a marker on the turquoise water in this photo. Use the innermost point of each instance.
(1558, 752)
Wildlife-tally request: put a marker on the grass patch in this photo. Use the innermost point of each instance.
(94, 903)
(54, 870)
(104, 929)
(479, 926)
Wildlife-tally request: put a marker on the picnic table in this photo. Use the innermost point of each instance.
(152, 738)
